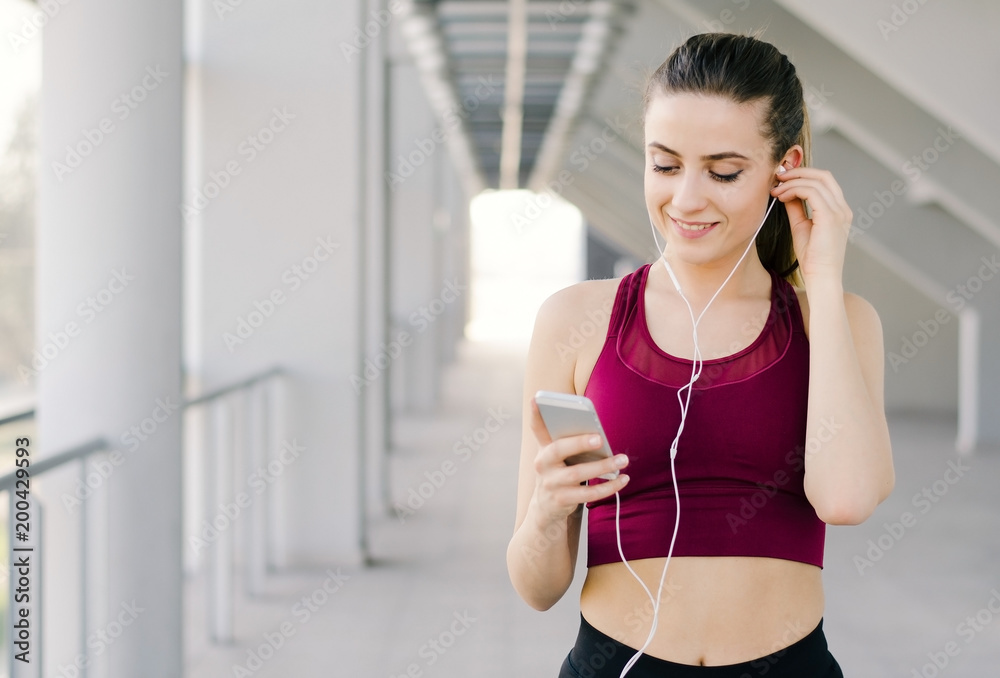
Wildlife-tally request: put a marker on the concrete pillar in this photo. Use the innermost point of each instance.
(414, 272)
(453, 223)
(280, 228)
(109, 266)
(978, 374)
(374, 394)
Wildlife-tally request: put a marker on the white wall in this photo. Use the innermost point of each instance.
(290, 195)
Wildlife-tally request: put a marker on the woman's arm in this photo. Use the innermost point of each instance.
(848, 462)
(542, 554)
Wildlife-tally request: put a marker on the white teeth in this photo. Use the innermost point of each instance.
(694, 228)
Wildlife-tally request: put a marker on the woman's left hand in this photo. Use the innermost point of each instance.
(820, 243)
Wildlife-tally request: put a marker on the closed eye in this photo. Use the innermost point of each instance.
(727, 178)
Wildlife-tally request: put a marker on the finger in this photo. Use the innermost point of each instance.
(574, 474)
(569, 446)
(824, 177)
(813, 190)
(555, 453)
(823, 213)
(795, 209)
(582, 494)
(820, 200)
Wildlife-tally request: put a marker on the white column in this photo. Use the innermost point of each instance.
(109, 266)
(374, 395)
(275, 199)
(969, 357)
(413, 263)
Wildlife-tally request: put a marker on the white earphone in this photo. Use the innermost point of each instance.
(695, 373)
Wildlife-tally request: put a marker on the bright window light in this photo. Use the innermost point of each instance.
(525, 246)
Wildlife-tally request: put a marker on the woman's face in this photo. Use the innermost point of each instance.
(708, 174)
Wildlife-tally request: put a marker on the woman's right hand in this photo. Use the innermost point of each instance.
(560, 489)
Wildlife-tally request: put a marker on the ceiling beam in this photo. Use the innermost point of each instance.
(513, 111)
(426, 45)
(596, 40)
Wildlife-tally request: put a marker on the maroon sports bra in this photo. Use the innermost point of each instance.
(740, 458)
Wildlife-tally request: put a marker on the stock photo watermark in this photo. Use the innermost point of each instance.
(94, 137)
(924, 501)
(259, 481)
(929, 328)
(146, 427)
(407, 165)
(420, 319)
(578, 335)
(294, 277)
(638, 619)
(914, 168)
(898, 17)
(967, 630)
(435, 479)
(132, 438)
(581, 158)
(437, 646)
(224, 7)
(32, 26)
(249, 148)
(88, 310)
(362, 37)
(795, 460)
(102, 639)
(564, 10)
(302, 611)
(726, 17)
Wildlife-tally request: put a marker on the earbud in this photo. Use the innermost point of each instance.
(781, 169)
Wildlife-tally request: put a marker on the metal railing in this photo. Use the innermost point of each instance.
(8, 484)
(247, 405)
(18, 416)
(241, 410)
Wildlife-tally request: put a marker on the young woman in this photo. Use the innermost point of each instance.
(786, 429)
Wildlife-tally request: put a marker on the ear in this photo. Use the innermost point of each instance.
(793, 157)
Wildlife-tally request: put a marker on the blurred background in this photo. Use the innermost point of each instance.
(268, 271)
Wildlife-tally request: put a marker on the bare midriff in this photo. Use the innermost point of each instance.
(713, 610)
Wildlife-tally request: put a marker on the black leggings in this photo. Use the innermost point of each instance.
(597, 655)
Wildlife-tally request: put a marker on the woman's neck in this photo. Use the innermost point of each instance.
(699, 282)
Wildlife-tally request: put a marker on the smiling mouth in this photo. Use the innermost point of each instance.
(693, 226)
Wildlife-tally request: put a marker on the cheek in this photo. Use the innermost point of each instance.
(656, 186)
(652, 189)
(740, 198)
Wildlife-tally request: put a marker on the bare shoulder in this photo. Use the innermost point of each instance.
(592, 296)
(866, 335)
(862, 315)
(577, 303)
(571, 325)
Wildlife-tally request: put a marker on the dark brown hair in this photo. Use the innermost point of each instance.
(746, 70)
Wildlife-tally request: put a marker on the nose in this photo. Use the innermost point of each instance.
(689, 195)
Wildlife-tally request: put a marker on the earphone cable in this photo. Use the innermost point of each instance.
(696, 365)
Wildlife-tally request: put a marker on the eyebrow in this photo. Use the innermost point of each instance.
(714, 156)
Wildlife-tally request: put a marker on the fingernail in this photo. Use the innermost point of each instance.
(623, 478)
(594, 440)
(621, 460)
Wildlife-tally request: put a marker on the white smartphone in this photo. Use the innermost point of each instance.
(565, 415)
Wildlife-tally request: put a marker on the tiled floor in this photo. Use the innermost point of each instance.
(439, 604)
